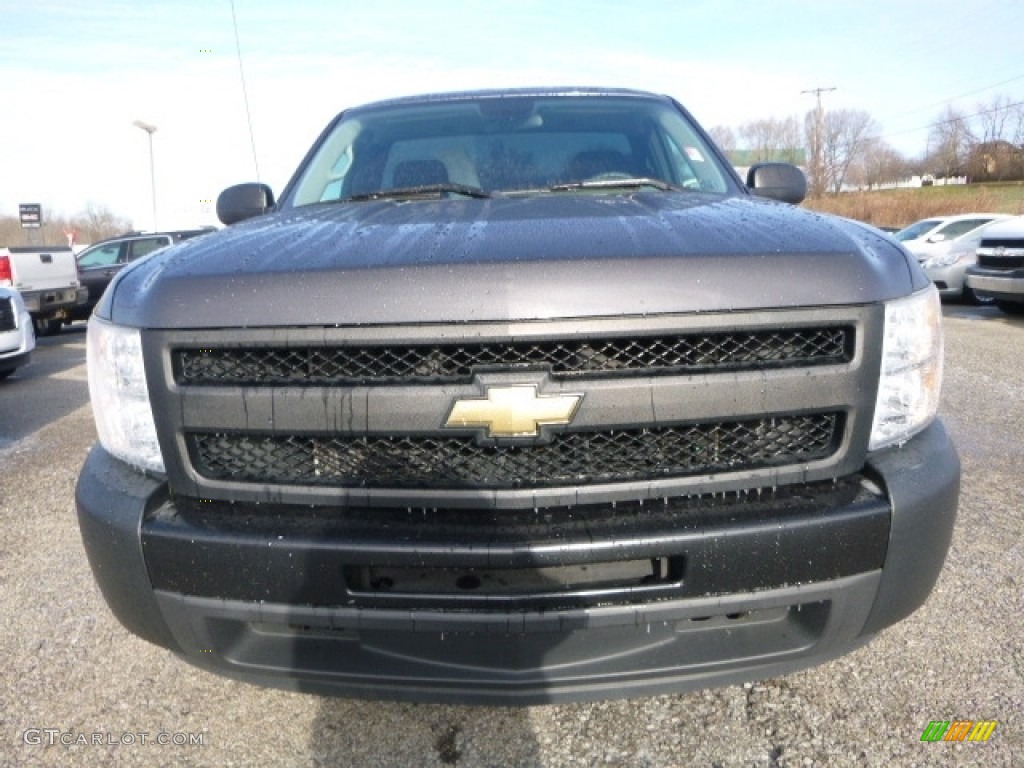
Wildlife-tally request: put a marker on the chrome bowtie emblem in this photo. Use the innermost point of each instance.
(513, 411)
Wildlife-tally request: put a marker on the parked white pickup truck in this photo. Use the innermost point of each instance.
(47, 278)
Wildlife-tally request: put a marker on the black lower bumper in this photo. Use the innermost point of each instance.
(12, 362)
(529, 607)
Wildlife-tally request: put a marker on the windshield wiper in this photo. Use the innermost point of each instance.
(418, 192)
(614, 184)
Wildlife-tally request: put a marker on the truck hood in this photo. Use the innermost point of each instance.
(511, 259)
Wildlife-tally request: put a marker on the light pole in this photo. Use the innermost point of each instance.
(150, 129)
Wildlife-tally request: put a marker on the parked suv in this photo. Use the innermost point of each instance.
(999, 273)
(98, 263)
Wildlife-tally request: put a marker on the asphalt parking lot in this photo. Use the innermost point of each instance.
(77, 689)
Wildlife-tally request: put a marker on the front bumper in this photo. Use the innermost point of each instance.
(16, 345)
(9, 362)
(291, 598)
(998, 284)
(948, 280)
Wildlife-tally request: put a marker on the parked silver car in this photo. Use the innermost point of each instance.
(927, 233)
(17, 336)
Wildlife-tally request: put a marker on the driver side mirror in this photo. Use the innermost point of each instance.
(777, 181)
(244, 201)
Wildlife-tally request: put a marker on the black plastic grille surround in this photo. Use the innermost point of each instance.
(1003, 261)
(1003, 242)
(441, 462)
(443, 363)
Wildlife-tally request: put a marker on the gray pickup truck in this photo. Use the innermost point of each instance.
(516, 397)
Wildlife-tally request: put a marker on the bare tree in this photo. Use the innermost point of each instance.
(949, 143)
(995, 120)
(94, 223)
(773, 139)
(842, 146)
(97, 222)
(1016, 132)
(877, 164)
(844, 133)
(999, 155)
(724, 137)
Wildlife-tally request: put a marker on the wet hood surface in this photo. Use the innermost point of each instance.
(540, 257)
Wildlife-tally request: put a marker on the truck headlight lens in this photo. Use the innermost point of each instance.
(911, 376)
(120, 398)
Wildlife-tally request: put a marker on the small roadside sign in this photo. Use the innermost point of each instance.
(31, 215)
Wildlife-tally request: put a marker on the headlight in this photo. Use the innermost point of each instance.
(911, 376)
(120, 399)
(943, 260)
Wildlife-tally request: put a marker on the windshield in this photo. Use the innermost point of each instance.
(509, 145)
(958, 228)
(917, 229)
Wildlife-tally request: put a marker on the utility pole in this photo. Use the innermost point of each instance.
(817, 151)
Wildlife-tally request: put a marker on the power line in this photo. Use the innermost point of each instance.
(245, 93)
(933, 36)
(960, 96)
(954, 119)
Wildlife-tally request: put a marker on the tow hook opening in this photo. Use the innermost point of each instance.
(616, 576)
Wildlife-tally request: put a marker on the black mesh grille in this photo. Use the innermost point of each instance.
(573, 458)
(6, 315)
(319, 365)
(1015, 261)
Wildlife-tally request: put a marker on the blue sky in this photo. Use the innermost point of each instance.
(75, 75)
